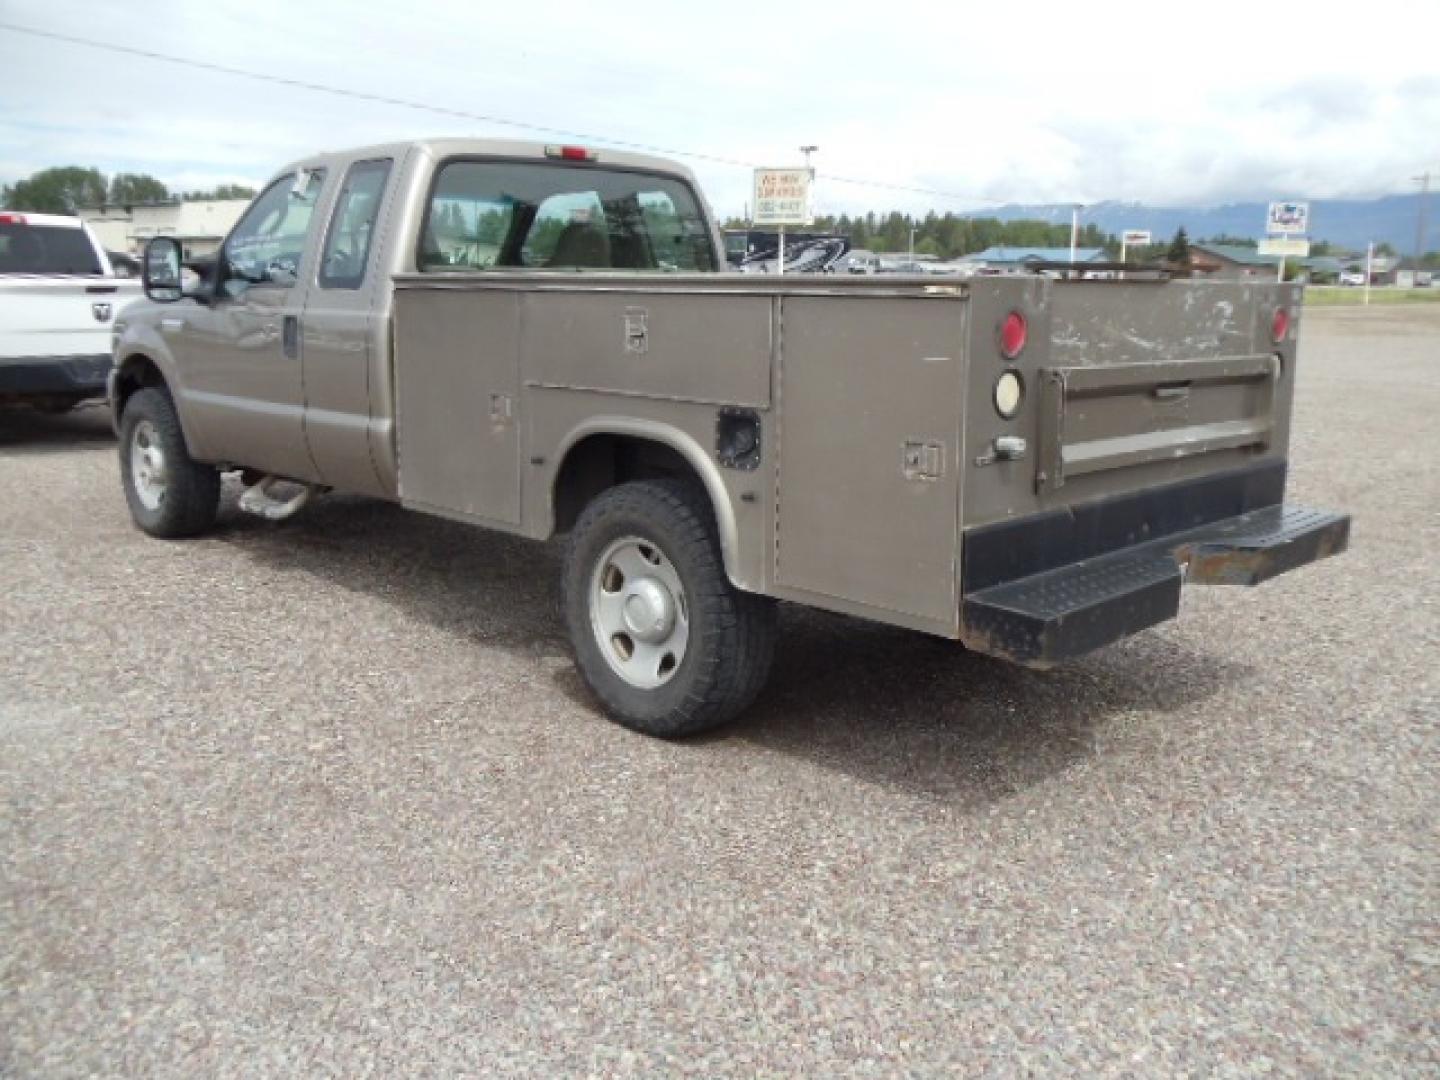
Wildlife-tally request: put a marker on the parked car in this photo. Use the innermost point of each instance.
(58, 301)
(541, 340)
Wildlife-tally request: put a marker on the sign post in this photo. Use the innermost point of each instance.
(1137, 237)
(782, 197)
(1286, 220)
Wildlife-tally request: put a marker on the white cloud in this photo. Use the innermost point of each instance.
(1041, 102)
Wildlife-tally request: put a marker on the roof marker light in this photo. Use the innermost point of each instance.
(12, 219)
(571, 153)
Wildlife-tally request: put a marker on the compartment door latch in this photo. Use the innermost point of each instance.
(923, 460)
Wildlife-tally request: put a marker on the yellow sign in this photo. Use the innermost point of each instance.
(1293, 248)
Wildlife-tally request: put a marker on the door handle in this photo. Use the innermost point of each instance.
(1173, 392)
(291, 343)
(171, 324)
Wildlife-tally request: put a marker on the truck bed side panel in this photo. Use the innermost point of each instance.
(870, 404)
(682, 346)
(457, 393)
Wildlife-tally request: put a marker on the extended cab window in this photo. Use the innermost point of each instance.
(352, 225)
(486, 214)
(269, 241)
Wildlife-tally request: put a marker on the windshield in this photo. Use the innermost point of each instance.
(485, 214)
(46, 249)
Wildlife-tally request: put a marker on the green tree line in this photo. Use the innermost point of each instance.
(64, 189)
(948, 236)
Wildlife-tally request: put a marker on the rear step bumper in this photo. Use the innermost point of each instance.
(1066, 611)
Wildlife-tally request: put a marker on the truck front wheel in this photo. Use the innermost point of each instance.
(661, 637)
(169, 493)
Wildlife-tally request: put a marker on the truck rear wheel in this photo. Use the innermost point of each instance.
(661, 637)
(169, 493)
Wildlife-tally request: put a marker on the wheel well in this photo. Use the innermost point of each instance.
(136, 373)
(598, 462)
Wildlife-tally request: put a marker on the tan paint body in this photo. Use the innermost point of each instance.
(460, 394)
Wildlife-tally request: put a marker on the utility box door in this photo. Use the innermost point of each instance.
(871, 401)
(457, 392)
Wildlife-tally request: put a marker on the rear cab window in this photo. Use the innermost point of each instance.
(519, 215)
(46, 249)
(352, 225)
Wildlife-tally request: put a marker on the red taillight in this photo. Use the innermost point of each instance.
(570, 153)
(1013, 332)
(1280, 326)
(12, 219)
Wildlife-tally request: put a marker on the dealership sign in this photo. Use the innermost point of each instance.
(782, 197)
(1288, 219)
(1284, 246)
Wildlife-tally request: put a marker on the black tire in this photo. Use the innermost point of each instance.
(191, 495)
(731, 633)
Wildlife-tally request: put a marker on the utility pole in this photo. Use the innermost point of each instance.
(1424, 181)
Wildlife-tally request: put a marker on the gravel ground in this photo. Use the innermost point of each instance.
(326, 798)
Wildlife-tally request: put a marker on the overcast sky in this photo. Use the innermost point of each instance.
(1158, 102)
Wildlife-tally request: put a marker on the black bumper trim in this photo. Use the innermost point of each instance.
(34, 375)
(1035, 543)
(1062, 613)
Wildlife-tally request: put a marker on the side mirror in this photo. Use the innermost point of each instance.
(160, 270)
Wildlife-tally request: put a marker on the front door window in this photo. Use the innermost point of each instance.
(269, 242)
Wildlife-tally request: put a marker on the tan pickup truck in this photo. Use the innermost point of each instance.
(541, 340)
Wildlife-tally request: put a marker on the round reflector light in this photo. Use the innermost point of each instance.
(1009, 391)
(1280, 325)
(1013, 332)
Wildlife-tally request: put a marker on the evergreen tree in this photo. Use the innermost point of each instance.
(1179, 251)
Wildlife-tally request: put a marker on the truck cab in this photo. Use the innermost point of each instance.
(540, 339)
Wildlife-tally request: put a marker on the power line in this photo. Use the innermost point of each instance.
(461, 114)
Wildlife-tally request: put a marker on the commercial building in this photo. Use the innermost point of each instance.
(199, 226)
(1233, 261)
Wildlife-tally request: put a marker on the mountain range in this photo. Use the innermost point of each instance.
(1347, 223)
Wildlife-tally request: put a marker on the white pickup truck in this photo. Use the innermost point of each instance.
(58, 300)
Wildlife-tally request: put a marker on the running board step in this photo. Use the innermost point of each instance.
(1062, 613)
(256, 499)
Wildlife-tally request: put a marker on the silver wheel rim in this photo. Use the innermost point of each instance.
(147, 465)
(639, 613)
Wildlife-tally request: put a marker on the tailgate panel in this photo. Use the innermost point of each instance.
(1100, 418)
